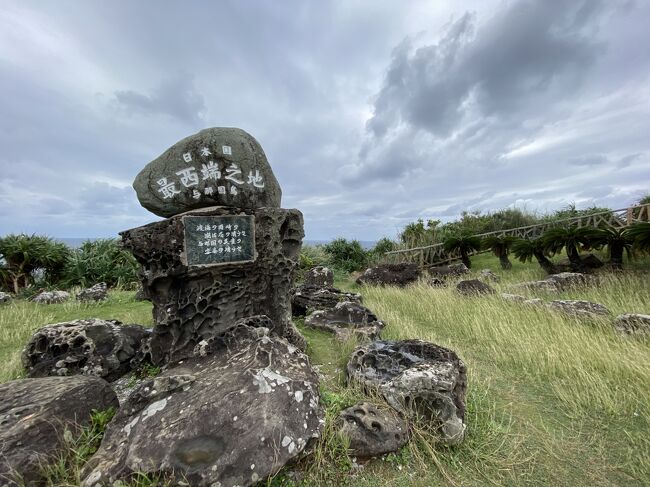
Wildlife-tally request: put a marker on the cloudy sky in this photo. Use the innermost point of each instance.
(372, 113)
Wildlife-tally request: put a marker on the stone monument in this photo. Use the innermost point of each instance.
(226, 249)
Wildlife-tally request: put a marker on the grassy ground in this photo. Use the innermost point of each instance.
(551, 400)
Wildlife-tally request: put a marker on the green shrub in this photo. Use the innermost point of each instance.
(27, 258)
(101, 261)
(348, 256)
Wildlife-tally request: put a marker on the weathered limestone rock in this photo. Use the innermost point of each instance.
(372, 431)
(195, 302)
(98, 292)
(522, 299)
(390, 275)
(488, 275)
(536, 286)
(568, 280)
(51, 297)
(473, 287)
(633, 324)
(319, 276)
(88, 347)
(413, 374)
(214, 167)
(579, 308)
(5, 297)
(435, 282)
(34, 413)
(233, 417)
(310, 298)
(140, 294)
(345, 320)
(458, 269)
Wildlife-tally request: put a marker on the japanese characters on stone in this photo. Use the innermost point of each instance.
(216, 240)
(218, 179)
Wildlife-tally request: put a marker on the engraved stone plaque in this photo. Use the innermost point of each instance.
(214, 240)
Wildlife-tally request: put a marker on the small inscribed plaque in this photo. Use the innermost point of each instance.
(213, 240)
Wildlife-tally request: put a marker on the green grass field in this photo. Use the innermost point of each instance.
(552, 400)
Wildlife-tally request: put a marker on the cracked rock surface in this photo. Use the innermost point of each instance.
(191, 304)
(579, 308)
(103, 348)
(345, 320)
(98, 292)
(319, 276)
(415, 375)
(34, 413)
(231, 417)
(633, 324)
(372, 431)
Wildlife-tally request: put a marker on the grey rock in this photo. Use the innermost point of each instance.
(35, 413)
(435, 282)
(568, 280)
(579, 308)
(413, 375)
(372, 431)
(488, 275)
(390, 275)
(345, 320)
(310, 298)
(513, 297)
(445, 271)
(534, 302)
(473, 287)
(633, 324)
(166, 190)
(51, 297)
(5, 297)
(319, 276)
(191, 304)
(103, 348)
(536, 286)
(98, 292)
(232, 417)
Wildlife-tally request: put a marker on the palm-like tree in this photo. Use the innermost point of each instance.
(639, 233)
(500, 247)
(570, 239)
(524, 250)
(463, 244)
(617, 242)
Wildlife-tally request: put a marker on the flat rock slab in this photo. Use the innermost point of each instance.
(215, 167)
(310, 298)
(319, 276)
(232, 417)
(347, 319)
(474, 287)
(34, 413)
(103, 348)
(372, 431)
(390, 275)
(579, 308)
(51, 297)
(444, 271)
(415, 375)
(633, 324)
(196, 302)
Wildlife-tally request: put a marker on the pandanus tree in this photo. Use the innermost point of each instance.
(524, 250)
(23, 255)
(500, 247)
(617, 241)
(570, 239)
(639, 233)
(464, 245)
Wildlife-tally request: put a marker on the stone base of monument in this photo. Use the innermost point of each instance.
(205, 269)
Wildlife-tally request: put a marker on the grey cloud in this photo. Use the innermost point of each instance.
(176, 97)
(589, 160)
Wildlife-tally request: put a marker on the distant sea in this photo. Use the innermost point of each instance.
(76, 242)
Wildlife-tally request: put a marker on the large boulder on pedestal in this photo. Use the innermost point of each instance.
(214, 167)
(34, 415)
(346, 320)
(309, 298)
(103, 348)
(200, 285)
(232, 417)
(415, 375)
